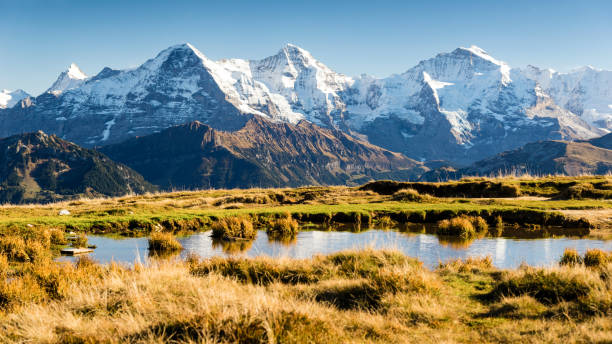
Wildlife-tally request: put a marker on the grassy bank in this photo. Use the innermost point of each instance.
(355, 296)
(369, 205)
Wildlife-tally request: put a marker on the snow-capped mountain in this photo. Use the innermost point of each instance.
(460, 106)
(585, 91)
(8, 98)
(71, 78)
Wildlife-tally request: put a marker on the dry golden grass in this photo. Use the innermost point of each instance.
(160, 242)
(350, 297)
(282, 228)
(234, 228)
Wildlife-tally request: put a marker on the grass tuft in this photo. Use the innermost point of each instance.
(163, 242)
(285, 227)
(570, 257)
(80, 240)
(549, 286)
(233, 228)
(597, 258)
(411, 195)
(468, 265)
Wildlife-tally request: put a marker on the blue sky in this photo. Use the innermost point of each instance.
(39, 39)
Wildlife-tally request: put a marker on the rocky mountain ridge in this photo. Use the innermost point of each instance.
(459, 106)
(261, 154)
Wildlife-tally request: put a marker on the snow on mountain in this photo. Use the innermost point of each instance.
(291, 85)
(70, 78)
(585, 91)
(8, 99)
(461, 105)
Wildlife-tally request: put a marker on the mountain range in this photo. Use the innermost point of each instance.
(261, 154)
(461, 106)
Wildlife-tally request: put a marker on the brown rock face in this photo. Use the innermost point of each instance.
(262, 153)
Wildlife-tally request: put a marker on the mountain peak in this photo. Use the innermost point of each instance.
(70, 78)
(293, 53)
(8, 98)
(74, 72)
(289, 47)
(179, 53)
(182, 46)
(474, 50)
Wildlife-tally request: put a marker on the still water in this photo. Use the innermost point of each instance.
(430, 249)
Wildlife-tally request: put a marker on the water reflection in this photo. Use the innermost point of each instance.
(233, 246)
(505, 252)
(287, 240)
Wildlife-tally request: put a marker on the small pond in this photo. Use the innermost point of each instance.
(429, 248)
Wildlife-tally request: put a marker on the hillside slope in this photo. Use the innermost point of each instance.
(37, 167)
(538, 158)
(261, 154)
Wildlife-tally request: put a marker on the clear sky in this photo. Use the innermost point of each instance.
(39, 39)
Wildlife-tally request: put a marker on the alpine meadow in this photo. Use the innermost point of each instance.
(243, 189)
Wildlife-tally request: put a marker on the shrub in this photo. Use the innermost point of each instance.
(232, 228)
(479, 224)
(596, 258)
(36, 251)
(570, 257)
(499, 222)
(19, 291)
(283, 227)
(163, 242)
(4, 266)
